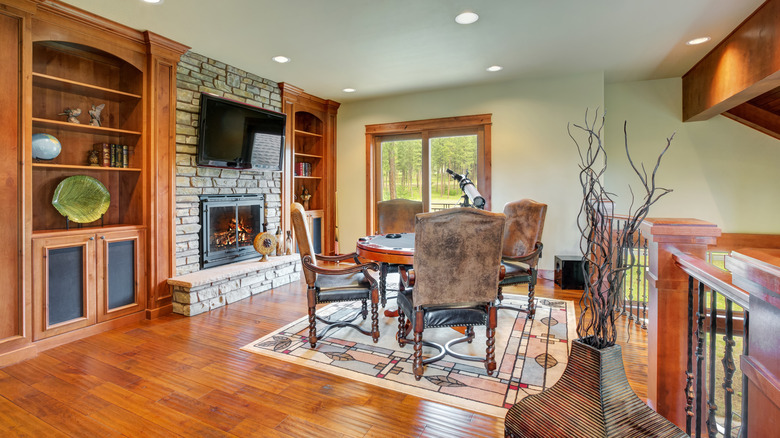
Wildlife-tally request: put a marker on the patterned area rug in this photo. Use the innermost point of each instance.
(530, 354)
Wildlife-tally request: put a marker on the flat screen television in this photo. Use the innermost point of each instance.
(239, 136)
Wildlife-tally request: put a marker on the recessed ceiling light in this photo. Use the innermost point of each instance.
(281, 59)
(466, 18)
(696, 41)
(349, 90)
(153, 1)
(495, 68)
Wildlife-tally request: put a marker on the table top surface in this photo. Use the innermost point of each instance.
(387, 248)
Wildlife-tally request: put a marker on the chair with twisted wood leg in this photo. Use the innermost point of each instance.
(454, 281)
(329, 284)
(522, 247)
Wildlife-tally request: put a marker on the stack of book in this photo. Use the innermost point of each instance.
(302, 169)
(113, 155)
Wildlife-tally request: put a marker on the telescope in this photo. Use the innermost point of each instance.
(469, 190)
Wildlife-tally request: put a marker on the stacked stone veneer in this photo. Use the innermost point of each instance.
(197, 74)
(209, 289)
(215, 287)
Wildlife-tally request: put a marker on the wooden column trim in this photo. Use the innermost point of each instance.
(667, 334)
(160, 192)
(744, 65)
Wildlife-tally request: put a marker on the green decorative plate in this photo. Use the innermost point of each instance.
(81, 198)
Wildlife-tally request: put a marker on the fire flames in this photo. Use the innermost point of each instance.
(240, 232)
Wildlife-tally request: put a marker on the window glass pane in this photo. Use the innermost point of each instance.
(458, 154)
(402, 169)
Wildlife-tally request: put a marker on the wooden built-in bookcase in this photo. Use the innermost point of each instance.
(75, 76)
(310, 162)
(62, 280)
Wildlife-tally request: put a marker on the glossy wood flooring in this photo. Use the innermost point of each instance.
(186, 376)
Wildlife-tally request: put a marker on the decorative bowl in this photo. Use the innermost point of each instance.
(81, 198)
(45, 146)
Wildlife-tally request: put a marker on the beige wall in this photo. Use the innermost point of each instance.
(533, 157)
(720, 170)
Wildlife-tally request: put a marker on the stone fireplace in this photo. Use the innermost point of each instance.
(203, 284)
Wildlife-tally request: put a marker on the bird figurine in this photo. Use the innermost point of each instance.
(71, 114)
(94, 114)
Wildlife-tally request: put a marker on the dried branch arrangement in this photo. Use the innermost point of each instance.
(604, 268)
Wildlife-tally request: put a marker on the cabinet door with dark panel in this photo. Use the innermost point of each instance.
(63, 284)
(120, 265)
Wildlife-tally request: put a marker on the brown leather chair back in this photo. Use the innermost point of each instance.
(457, 256)
(303, 237)
(524, 226)
(397, 215)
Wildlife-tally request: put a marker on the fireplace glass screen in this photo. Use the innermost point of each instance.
(229, 227)
(234, 227)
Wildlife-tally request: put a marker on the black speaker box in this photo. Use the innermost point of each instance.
(568, 272)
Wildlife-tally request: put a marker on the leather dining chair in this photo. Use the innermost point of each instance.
(394, 216)
(327, 284)
(454, 281)
(397, 215)
(522, 247)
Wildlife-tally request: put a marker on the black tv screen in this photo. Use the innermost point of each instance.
(239, 136)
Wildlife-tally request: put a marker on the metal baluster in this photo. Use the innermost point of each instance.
(689, 369)
(630, 280)
(699, 357)
(621, 254)
(635, 250)
(645, 264)
(712, 428)
(745, 352)
(728, 366)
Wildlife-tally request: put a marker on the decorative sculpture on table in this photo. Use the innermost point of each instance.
(71, 114)
(94, 114)
(593, 396)
(305, 196)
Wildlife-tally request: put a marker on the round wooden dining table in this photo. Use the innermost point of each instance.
(388, 250)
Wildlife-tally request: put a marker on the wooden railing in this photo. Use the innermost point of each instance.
(691, 305)
(718, 410)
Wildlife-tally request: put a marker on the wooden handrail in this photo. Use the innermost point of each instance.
(713, 277)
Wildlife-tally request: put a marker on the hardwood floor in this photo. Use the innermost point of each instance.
(186, 376)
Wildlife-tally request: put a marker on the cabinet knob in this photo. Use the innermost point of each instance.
(102, 237)
(92, 238)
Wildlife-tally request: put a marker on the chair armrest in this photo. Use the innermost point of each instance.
(535, 254)
(407, 276)
(361, 267)
(340, 257)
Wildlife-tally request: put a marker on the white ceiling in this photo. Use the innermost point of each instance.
(383, 47)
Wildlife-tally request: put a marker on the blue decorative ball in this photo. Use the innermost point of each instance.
(45, 146)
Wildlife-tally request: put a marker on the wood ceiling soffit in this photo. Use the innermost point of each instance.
(757, 118)
(743, 66)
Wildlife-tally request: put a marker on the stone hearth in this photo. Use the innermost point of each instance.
(208, 289)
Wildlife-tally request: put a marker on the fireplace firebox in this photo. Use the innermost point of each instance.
(229, 225)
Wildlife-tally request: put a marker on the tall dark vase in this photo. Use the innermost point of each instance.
(592, 399)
